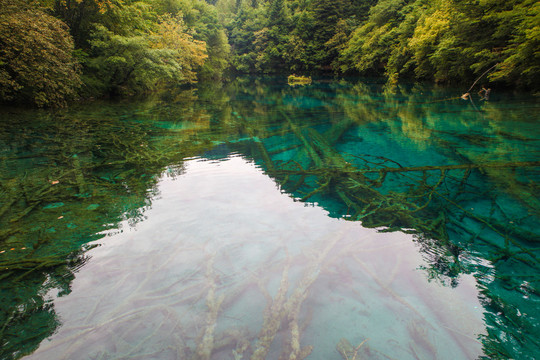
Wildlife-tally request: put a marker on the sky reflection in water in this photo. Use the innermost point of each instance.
(144, 293)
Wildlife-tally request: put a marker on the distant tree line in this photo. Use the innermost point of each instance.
(52, 51)
(445, 41)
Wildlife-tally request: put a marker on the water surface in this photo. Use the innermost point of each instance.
(258, 220)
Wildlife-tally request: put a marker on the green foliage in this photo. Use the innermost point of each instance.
(521, 62)
(81, 15)
(218, 56)
(242, 30)
(124, 48)
(145, 61)
(447, 41)
(380, 44)
(187, 54)
(36, 61)
(386, 11)
(290, 35)
(367, 48)
(202, 18)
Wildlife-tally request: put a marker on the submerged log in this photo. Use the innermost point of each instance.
(350, 170)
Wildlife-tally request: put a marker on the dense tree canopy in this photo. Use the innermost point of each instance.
(122, 47)
(451, 41)
(36, 57)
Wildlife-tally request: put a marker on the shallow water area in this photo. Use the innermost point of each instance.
(146, 291)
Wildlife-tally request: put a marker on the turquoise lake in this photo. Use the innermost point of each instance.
(257, 220)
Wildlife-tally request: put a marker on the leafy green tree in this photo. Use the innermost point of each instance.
(276, 13)
(144, 61)
(202, 18)
(327, 15)
(271, 41)
(521, 55)
(218, 56)
(451, 41)
(82, 15)
(259, 37)
(186, 56)
(36, 57)
(242, 35)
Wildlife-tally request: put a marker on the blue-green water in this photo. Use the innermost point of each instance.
(254, 220)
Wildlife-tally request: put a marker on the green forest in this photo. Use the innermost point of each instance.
(56, 51)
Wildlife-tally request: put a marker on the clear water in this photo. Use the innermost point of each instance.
(256, 220)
